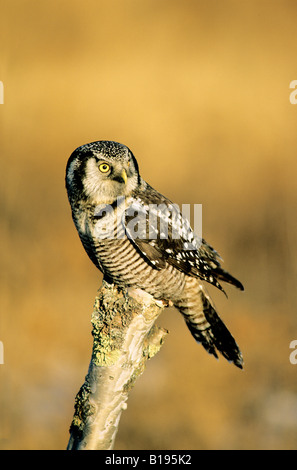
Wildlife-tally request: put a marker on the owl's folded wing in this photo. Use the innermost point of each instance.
(162, 235)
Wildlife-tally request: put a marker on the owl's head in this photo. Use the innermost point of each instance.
(100, 172)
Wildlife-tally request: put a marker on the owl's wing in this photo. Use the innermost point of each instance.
(162, 235)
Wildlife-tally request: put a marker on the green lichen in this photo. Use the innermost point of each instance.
(107, 359)
(82, 409)
(154, 341)
(136, 373)
(113, 312)
(152, 350)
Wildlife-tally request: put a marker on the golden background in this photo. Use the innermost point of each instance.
(199, 90)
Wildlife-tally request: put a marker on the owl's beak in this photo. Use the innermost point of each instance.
(124, 176)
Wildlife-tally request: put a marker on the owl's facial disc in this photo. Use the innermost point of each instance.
(104, 181)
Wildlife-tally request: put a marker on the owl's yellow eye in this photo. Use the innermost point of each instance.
(104, 167)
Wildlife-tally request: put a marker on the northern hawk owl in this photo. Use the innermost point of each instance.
(138, 238)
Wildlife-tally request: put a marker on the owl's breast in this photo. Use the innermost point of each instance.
(104, 238)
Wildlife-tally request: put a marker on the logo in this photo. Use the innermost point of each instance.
(149, 222)
(293, 355)
(1, 353)
(293, 95)
(1, 93)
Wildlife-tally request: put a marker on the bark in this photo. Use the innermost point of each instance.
(124, 338)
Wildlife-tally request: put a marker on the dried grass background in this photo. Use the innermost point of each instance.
(199, 91)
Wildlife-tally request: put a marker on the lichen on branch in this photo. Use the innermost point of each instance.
(124, 338)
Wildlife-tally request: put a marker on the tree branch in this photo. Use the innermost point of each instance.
(125, 337)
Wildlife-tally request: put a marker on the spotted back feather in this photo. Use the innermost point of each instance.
(162, 234)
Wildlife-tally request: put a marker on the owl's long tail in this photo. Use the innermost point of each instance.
(205, 324)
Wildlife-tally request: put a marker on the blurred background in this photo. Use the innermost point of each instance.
(199, 91)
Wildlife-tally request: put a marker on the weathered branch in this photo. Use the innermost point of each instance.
(125, 337)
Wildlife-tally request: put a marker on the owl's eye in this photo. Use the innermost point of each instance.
(104, 167)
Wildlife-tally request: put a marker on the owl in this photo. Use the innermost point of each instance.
(139, 239)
